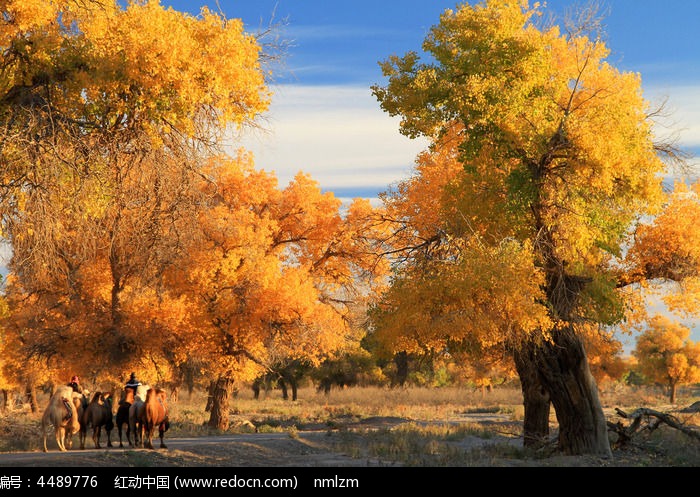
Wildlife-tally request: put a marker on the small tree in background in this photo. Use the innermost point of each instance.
(667, 356)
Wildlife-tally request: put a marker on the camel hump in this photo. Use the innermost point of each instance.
(127, 396)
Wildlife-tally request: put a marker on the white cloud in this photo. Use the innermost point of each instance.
(341, 137)
(337, 134)
(683, 108)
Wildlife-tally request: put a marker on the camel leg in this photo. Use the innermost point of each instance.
(131, 431)
(43, 429)
(121, 443)
(96, 437)
(68, 439)
(161, 432)
(151, 433)
(60, 437)
(149, 437)
(137, 432)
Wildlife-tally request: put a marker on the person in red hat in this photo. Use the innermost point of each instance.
(75, 383)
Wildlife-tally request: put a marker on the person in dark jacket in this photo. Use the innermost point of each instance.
(133, 383)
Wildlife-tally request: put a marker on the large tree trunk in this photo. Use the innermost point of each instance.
(401, 361)
(210, 396)
(32, 396)
(220, 396)
(672, 393)
(565, 374)
(283, 385)
(295, 388)
(561, 363)
(535, 398)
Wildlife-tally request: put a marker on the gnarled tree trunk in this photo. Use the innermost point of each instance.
(220, 397)
(564, 374)
(535, 398)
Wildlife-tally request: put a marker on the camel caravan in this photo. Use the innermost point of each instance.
(141, 411)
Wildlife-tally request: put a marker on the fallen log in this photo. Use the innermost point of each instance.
(645, 419)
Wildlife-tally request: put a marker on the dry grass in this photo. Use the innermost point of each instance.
(412, 403)
(409, 426)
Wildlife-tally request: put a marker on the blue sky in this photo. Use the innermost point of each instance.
(324, 120)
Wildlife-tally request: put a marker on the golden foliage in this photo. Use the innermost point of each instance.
(270, 273)
(486, 295)
(604, 354)
(668, 248)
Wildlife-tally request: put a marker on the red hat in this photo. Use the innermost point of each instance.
(75, 379)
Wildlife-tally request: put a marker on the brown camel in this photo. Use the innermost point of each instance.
(155, 415)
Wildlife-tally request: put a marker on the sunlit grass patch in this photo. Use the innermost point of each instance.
(416, 444)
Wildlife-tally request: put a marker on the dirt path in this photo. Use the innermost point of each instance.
(317, 447)
(255, 449)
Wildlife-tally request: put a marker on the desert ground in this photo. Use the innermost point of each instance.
(369, 427)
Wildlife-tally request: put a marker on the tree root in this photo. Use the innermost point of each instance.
(644, 419)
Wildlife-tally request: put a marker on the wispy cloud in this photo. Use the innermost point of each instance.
(338, 135)
(341, 137)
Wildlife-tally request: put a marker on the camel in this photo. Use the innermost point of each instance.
(154, 415)
(135, 416)
(122, 417)
(97, 414)
(63, 414)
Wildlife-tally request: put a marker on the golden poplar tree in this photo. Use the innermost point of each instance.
(555, 161)
(666, 356)
(270, 274)
(104, 127)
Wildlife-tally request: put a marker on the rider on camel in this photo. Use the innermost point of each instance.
(75, 385)
(133, 383)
